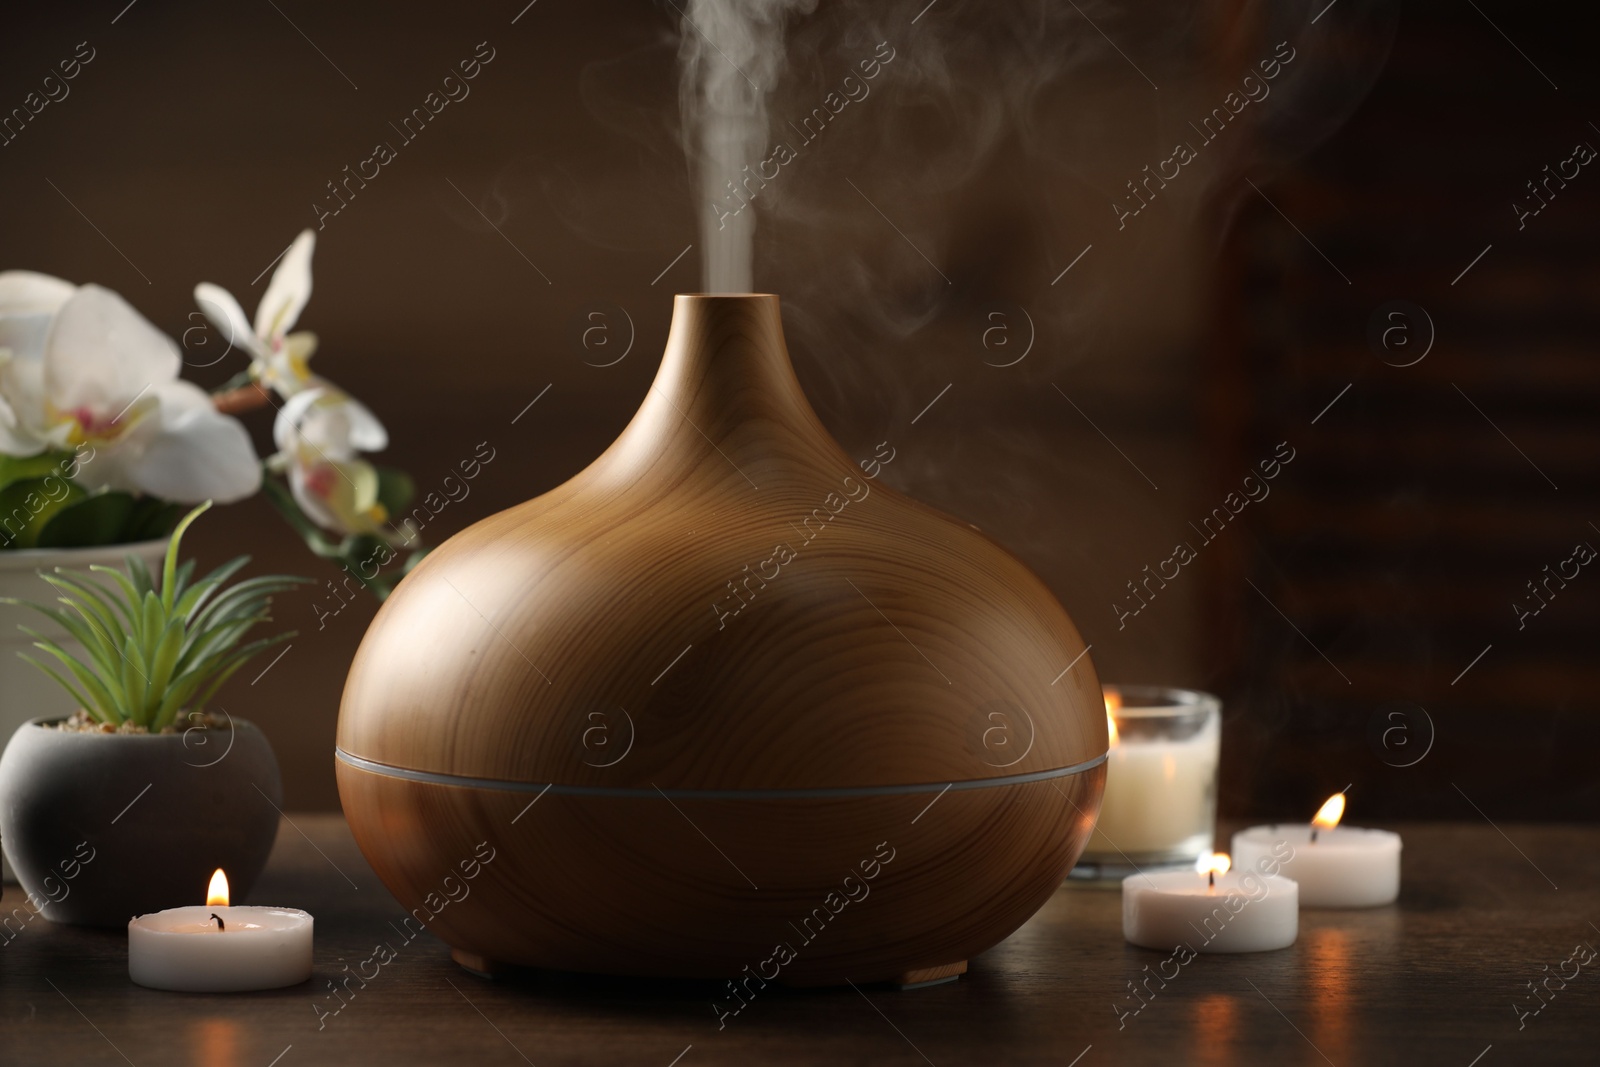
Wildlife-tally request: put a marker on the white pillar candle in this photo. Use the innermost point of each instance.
(1336, 866)
(1232, 911)
(1160, 794)
(220, 949)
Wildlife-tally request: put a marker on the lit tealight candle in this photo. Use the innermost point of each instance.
(1336, 866)
(1211, 909)
(218, 948)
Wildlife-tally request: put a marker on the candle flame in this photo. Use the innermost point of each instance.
(1113, 699)
(217, 892)
(1328, 816)
(1217, 862)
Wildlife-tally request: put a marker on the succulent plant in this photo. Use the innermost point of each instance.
(151, 652)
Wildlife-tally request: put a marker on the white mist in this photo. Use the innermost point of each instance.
(731, 55)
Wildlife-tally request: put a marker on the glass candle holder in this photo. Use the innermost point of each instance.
(1160, 804)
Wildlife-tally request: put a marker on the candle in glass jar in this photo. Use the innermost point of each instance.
(1161, 769)
(218, 948)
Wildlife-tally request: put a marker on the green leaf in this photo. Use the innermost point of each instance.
(283, 500)
(78, 698)
(95, 643)
(98, 692)
(130, 592)
(139, 575)
(237, 659)
(395, 489)
(164, 660)
(195, 597)
(28, 504)
(178, 693)
(18, 468)
(94, 520)
(90, 595)
(181, 580)
(134, 683)
(216, 640)
(230, 601)
(152, 620)
(150, 520)
(361, 552)
(238, 381)
(169, 568)
(99, 643)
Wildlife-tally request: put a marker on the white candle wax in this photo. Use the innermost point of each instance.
(1159, 793)
(1245, 911)
(184, 949)
(1347, 867)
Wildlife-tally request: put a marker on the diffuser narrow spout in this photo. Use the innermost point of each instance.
(725, 381)
(726, 352)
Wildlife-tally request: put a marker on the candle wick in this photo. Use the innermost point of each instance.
(1313, 835)
(1211, 879)
(220, 924)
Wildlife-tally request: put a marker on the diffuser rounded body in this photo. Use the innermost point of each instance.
(724, 700)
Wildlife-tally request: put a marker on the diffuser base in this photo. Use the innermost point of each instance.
(482, 966)
(927, 976)
(639, 892)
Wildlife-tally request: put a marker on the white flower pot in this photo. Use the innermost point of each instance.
(25, 691)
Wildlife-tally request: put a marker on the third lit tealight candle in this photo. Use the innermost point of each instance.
(1336, 866)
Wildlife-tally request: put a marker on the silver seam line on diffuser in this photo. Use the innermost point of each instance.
(461, 780)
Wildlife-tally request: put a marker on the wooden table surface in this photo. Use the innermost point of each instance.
(1433, 980)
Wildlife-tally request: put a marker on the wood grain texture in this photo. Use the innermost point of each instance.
(724, 601)
(1428, 981)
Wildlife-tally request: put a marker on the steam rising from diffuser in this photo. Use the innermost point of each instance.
(732, 53)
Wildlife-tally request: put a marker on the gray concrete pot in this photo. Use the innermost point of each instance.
(102, 827)
(25, 690)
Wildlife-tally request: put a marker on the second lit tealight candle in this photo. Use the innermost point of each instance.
(1211, 909)
(1336, 866)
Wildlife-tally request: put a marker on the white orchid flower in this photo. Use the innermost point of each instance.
(320, 430)
(28, 303)
(319, 433)
(80, 369)
(279, 360)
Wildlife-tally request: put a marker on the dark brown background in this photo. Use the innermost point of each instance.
(1196, 338)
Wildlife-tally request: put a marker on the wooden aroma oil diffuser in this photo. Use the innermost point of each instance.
(724, 705)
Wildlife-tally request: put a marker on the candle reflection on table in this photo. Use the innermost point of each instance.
(1216, 1029)
(1328, 967)
(215, 1041)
